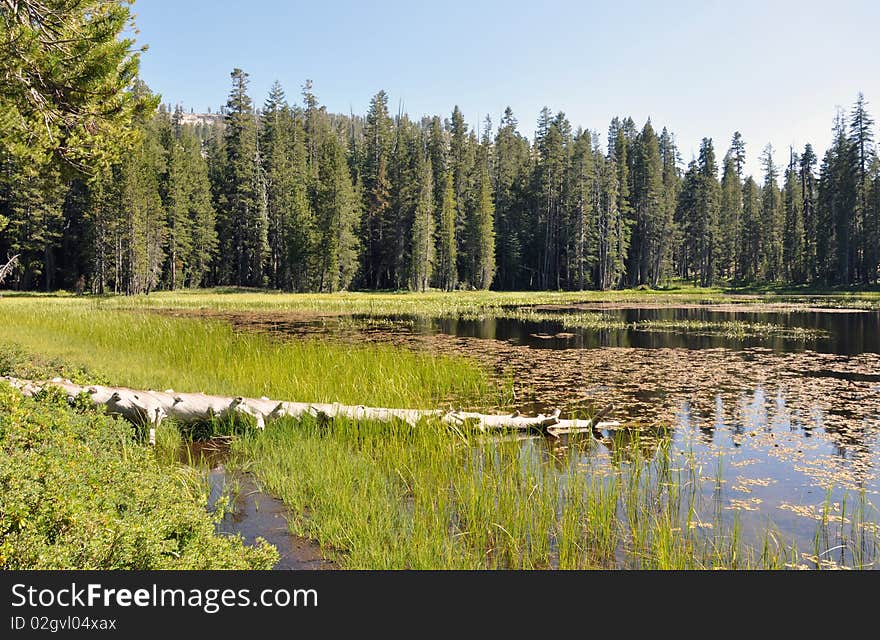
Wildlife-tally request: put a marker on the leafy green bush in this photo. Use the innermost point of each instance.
(77, 492)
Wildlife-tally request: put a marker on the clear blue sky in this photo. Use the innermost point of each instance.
(774, 70)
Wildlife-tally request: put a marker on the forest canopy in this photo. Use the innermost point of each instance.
(103, 188)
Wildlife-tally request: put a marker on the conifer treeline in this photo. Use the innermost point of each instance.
(292, 197)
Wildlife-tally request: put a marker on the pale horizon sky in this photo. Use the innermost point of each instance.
(775, 71)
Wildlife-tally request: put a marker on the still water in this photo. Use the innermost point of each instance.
(783, 425)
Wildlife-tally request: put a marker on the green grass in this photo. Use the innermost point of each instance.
(439, 303)
(379, 496)
(430, 303)
(187, 354)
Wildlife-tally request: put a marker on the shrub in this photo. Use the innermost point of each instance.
(77, 492)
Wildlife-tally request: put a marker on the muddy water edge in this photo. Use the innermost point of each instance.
(249, 511)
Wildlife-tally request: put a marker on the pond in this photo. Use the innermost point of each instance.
(779, 409)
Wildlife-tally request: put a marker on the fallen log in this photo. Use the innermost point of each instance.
(148, 408)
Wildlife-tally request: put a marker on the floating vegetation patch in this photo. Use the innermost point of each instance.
(731, 329)
(744, 485)
(734, 329)
(822, 513)
(751, 504)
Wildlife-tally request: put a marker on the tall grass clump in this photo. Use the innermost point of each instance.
(190, 354)
(379, 496)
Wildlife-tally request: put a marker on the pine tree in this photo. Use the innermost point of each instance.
(553, 147)
(190, 216)
(243, 225)
(612, 228)
(338, 218)
(438, 152)
(462, 160)
(861, 144)
(69, 94)
(447, 273)
(707, 206)
(277, 124)
(838, 195)
(873, 221)
(511, 163)
(752, 241)
(793, 231)
(648, 208)
(774, 219)
(620, 152)
(143, 232)
(422, 247)
(31, 212)
(806, 174)
(484, 245)
(669, 231)
(688, 220)
(583, 180)
(730, 216)
(406, 157)
(738, 153)
(202, 216)
(292, 229)
(377, 192)
(176, 190)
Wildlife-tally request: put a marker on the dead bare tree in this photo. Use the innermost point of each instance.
(8, 267)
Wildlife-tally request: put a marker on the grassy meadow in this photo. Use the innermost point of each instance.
(143, 350)
(437, 303)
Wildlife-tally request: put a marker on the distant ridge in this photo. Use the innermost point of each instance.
(200, 118)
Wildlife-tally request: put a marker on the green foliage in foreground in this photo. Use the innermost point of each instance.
(77, 492)
(146, 350)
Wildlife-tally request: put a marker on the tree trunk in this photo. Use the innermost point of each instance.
(149, 408)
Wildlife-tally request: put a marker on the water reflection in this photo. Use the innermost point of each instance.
(844, 332)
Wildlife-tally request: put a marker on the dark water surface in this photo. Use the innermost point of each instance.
(845, 332)
(255, 513)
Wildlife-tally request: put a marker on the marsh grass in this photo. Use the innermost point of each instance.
(429, 303)
(187, 354)
(395, 497)
(847, 534)
(442, 303)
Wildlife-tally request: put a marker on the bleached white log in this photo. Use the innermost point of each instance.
(150, 407)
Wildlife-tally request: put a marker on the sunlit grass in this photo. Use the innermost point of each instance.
(429, 303)
(440, 303)
(379, 496)
(153, 351)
